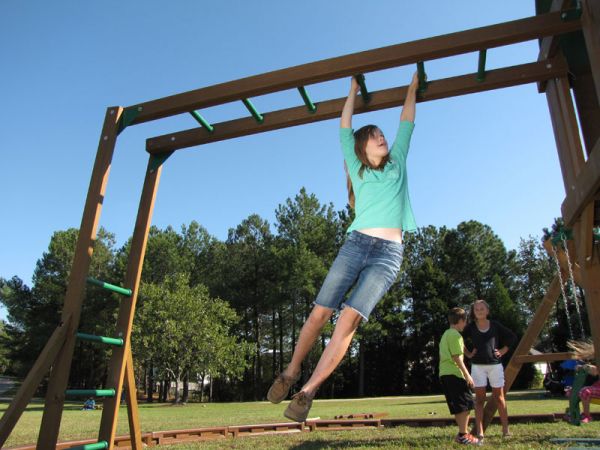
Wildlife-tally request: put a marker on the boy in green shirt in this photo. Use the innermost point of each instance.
(454, 376)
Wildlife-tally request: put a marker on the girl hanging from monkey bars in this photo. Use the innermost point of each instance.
(370, 259)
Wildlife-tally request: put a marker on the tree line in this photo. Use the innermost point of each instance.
(227, 314)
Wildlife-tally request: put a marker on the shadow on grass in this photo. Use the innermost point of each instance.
(430, 402)
(413, 439)
(373, 443)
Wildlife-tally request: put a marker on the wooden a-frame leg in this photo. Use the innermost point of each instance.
(116, 368)
(132, 405)
(55, 395)
(32, 381)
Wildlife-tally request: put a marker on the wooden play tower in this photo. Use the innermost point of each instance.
(567, 70)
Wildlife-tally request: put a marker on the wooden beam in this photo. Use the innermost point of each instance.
(590, 25)
(118, 360)
(585, 187)
(55, 395)
(32, 381)
(344, 66)
(388, 98)
(545, 357)
(533, 331)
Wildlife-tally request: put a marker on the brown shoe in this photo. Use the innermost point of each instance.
(280, 388)
(299, 407)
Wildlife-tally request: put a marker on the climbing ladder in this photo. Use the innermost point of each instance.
(550, 71)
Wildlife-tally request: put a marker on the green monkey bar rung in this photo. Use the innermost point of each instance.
(90, 392)
(96, 446)
(364, 93)
(422, 76)
(118, 342)
(258, 116)
(110, 287)
(202, 121)
(481, 65)
(307, 101)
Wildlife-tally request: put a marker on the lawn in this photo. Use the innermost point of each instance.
(77, 424)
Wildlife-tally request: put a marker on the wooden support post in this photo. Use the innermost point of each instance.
(527, 341)
(588, 109)
(585, 188)
(32, 381)
(590, 268)
(590, 25)
(116, 368)
(566, 130)
(59, 377)
(132, 406)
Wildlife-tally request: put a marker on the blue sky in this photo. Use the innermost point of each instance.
(489, 157)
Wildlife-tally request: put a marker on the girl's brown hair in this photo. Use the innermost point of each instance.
(472, 309)
(361, 137)
(583, 349)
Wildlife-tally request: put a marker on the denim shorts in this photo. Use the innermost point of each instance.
(368, 263)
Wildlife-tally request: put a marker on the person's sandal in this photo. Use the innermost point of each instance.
(299, 407)
(280, 388)
(466, 439)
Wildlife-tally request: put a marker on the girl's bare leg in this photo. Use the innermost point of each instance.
(311, 330)
(479, 404)
(498, 394)
(335, 350)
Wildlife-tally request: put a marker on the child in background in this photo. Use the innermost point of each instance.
(454, 376)
(585, 351)
(89, 404)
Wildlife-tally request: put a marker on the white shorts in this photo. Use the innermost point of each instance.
(481, 373)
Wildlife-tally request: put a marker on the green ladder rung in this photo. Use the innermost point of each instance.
(110, 287)
(90, 392)
(96, 446)
(118, 342)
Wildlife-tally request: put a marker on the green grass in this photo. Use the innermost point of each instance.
(77, 424)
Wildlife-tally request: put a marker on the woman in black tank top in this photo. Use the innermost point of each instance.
(490, 341)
